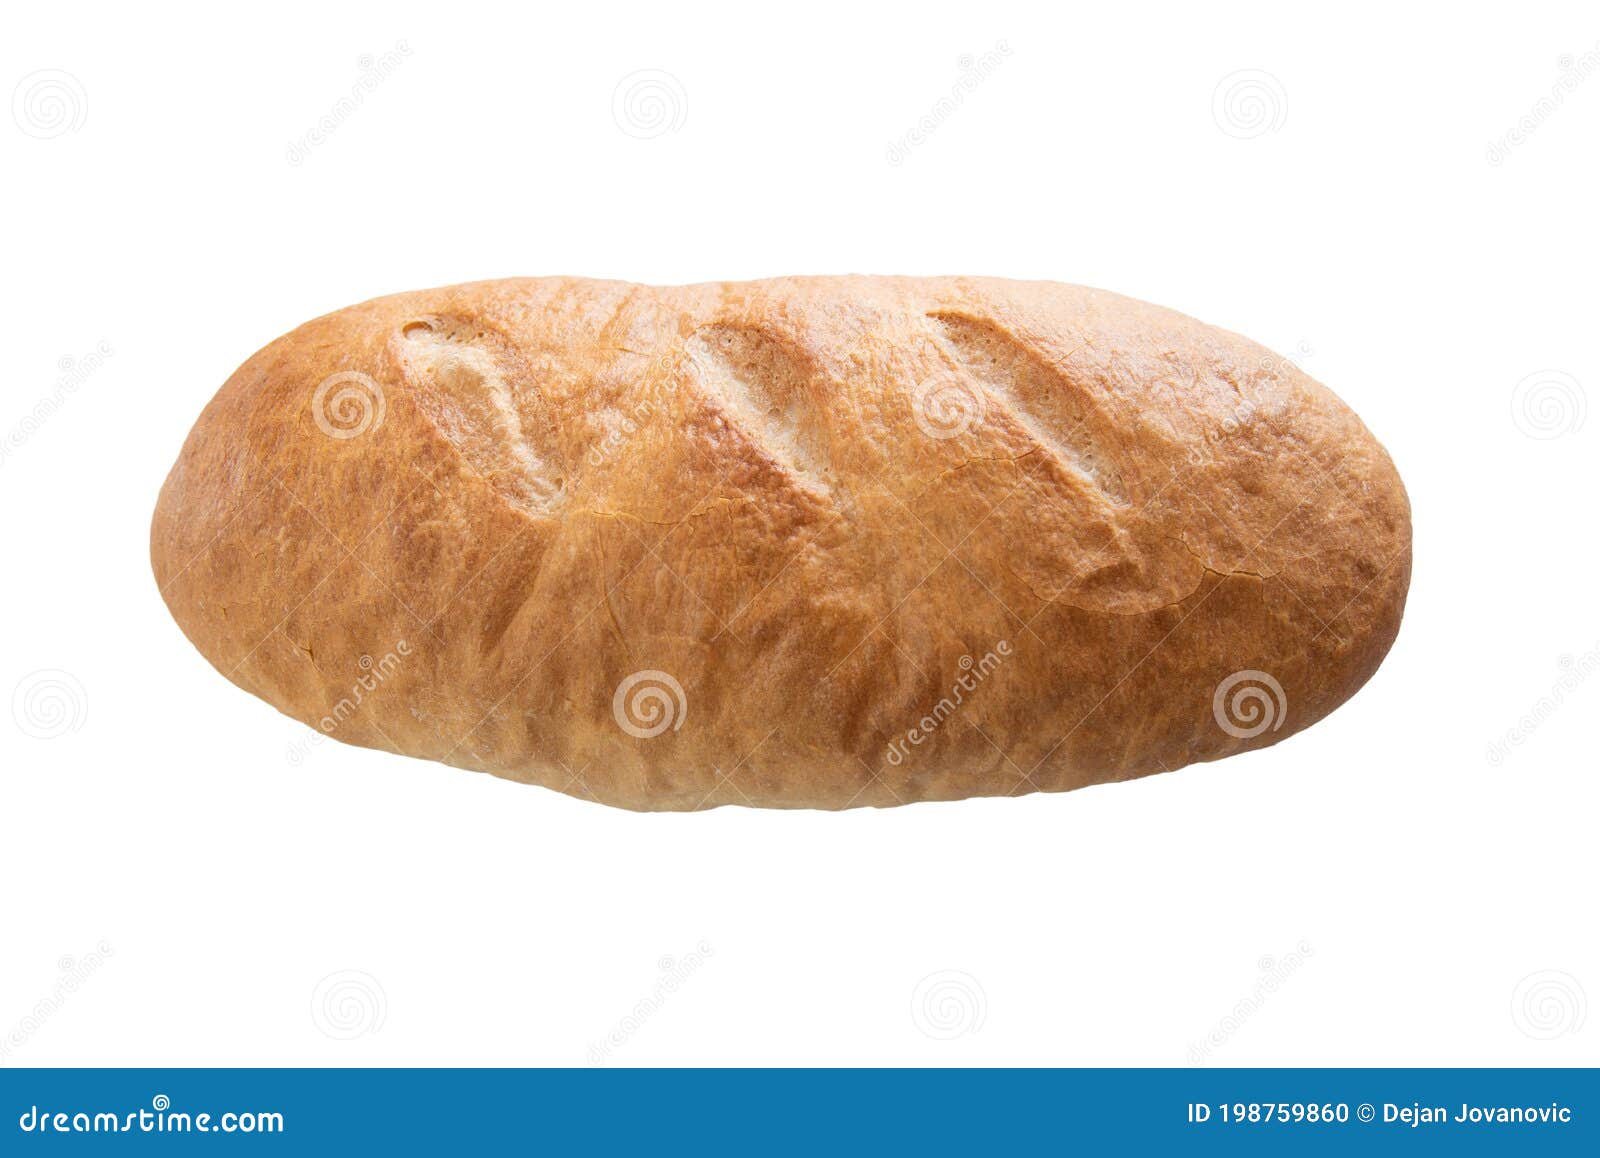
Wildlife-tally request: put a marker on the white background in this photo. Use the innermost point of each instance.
(1419, 902)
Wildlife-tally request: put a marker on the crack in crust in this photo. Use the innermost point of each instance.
(764, 386)
(474, 387)
(1057, 413)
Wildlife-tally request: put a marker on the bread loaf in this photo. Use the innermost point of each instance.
(812, 542)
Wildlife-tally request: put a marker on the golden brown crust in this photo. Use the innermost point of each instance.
(808, 542)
